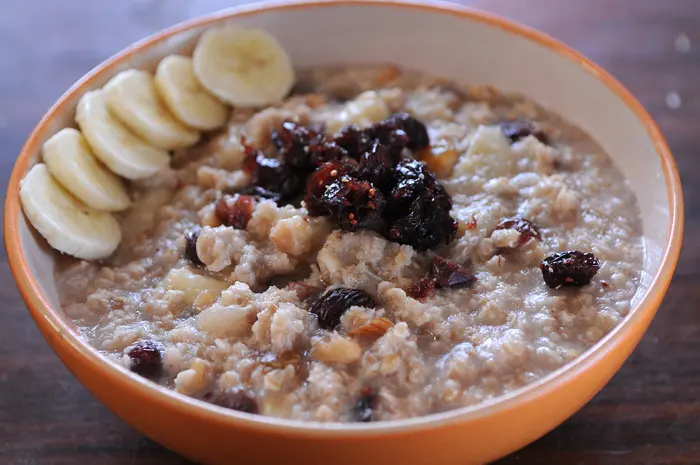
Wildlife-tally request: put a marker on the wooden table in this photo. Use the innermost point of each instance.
(648, 414)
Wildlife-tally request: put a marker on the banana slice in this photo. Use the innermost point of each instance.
(71, 162)
(113, 144)
(132, 97)
(67, 224)
(244, 67)
(185, 97)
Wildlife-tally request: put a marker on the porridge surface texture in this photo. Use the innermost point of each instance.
(236, 329)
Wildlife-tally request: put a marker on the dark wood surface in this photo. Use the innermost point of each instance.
(648, 414)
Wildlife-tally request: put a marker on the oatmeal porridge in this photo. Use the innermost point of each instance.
(377, 245)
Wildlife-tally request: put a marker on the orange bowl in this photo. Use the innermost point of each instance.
(490, 50)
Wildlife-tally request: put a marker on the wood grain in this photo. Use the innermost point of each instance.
(648, 414)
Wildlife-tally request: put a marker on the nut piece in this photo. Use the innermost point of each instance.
(440, 159)
(376, 328)
(336, 350)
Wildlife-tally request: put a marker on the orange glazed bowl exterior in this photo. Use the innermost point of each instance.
(445, 40)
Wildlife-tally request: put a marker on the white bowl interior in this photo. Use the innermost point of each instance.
(453, 47)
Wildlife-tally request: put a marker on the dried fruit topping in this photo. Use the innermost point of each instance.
(334, 302)
(447, 273)
(326, 174)
(526, 229)
(418, 208)
(191, 247)
(572, 268)
(377, 327)
(428, 222)
(415, 130)
(422, 289)
(273, 175)
(235, 211)
(354, 173)
(236, 399)
(304, 291)
(376, 166)
(292, 142)
(520, 129)
(354, 141)
(355, 204)
(362, 411)
(261, 193)
(411, 178)
(145, 358)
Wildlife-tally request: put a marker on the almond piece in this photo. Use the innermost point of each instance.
(376, 328)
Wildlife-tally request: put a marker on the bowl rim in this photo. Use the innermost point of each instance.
(50, 319)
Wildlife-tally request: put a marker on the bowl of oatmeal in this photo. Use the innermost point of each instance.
(255, 245)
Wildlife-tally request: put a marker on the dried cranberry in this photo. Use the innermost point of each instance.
(355, 204)
(422, 289)
(572, 268)
(235, 211)
(520, 129)
(145, 358)
(334, 302)
(415, 130)
(449, 274)
(526, 229)
(316, 185)
(236, 399)
(191, 247)
(376, 166)
(427, 224)
(354, 141)
(257, 191)
(362, 410)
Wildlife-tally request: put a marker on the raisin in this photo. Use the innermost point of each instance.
(410, 179)
(418, 209)
(236, 399)
(191, 247)
(376, 166)
(273, 174)
(415, 131)
(449, 274)
(520, 129)
(145, 358)
(363, 409)
(322, 150)
(259, 192)
(316, 185)
(526, 229)
(355, 204)
(235, 211)
(354, 141)
(334, 302)
(292, 142)
(571, 268)
(427, 224)
(422, 289)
